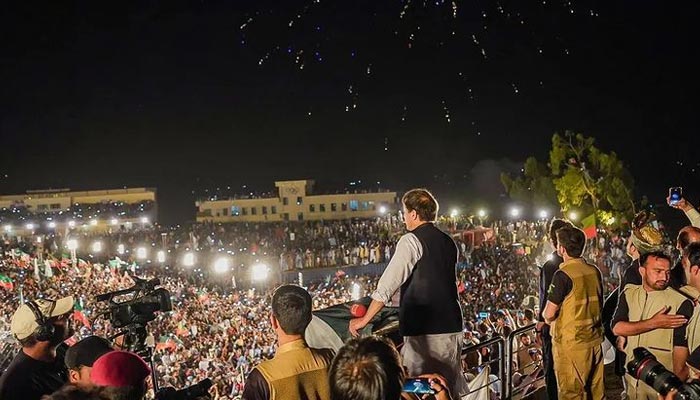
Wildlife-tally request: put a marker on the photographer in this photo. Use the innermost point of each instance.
(654, 316)
(691, 267)
(40, 326)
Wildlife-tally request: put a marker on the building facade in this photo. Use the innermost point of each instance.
(296, 202)
(59, 208)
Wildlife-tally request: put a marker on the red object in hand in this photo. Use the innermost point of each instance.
(358, 310)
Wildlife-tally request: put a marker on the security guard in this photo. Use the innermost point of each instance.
(654, 316)
(574, 311)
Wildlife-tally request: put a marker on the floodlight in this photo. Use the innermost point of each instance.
(260, 272)
(188, 260)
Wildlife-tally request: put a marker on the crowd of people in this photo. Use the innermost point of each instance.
(221, 331)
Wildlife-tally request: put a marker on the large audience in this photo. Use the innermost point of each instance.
(222, 331)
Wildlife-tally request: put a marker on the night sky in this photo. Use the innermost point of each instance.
(200, 95)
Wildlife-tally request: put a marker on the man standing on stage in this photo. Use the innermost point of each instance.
(430, 318)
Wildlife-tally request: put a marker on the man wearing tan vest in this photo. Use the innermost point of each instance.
(691, 267)
(297, 371)
(574, 309)
(654, 316)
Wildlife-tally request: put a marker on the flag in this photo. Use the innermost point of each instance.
(78, 315)
(589, 227)
(6, 282)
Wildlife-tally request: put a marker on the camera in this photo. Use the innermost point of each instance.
(645, 368)
(141, 309)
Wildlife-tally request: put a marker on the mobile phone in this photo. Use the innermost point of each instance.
(675, 194)
(483, 314)
(418, 385)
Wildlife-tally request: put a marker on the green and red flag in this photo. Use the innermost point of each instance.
(78, 315)
(6, 282)
(589, 227)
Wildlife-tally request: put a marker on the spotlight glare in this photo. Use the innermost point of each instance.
(222, 265)
(188, 260)
(260, 272)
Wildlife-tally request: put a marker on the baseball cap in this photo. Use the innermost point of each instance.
(119, 369)
(24, 322)
(87, 351)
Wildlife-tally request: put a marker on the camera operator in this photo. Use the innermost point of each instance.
(370, 368)
(81, 356)
(654, 316)
(40, 326)
(123, 373)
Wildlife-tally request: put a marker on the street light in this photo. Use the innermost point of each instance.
(97, 247)
(161, 256)
(141, 253)
(222, 265)
(188, 260)
(260, 272)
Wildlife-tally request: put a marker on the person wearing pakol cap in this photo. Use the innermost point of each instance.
(81, 356)
(123, 372)
(40, 326)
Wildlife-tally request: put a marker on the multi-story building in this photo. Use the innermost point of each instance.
(296, 202)
(98, 209)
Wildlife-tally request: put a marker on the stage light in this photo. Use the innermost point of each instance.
(30, 226)
(454, 213)
(481, 213)
(382, 210)
(71, 224)
(188, 260)
(260, 272)
(544, 214)
(120, 249)
(161, 256)
(141, 253)
(52, 225)
(573, 215)
(72, 244)
(8, 228)
(514, 212)
(144, 220)
(93, 222)
(222, 265)
(114, 221)
(97, 247)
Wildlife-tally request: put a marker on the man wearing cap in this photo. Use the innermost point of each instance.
(124, 373)
(40, 327)
(82, 355)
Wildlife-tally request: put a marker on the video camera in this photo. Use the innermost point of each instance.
(645, 368)
(141, 309)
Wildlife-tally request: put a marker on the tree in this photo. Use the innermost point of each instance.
(585, 176)
(535, 186)
(578, 176)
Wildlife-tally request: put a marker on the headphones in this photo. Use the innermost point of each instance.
(44, 332)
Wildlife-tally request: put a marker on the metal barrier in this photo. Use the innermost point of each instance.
(501, 360)
(506, 355)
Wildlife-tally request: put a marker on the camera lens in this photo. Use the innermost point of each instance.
(645, 368)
